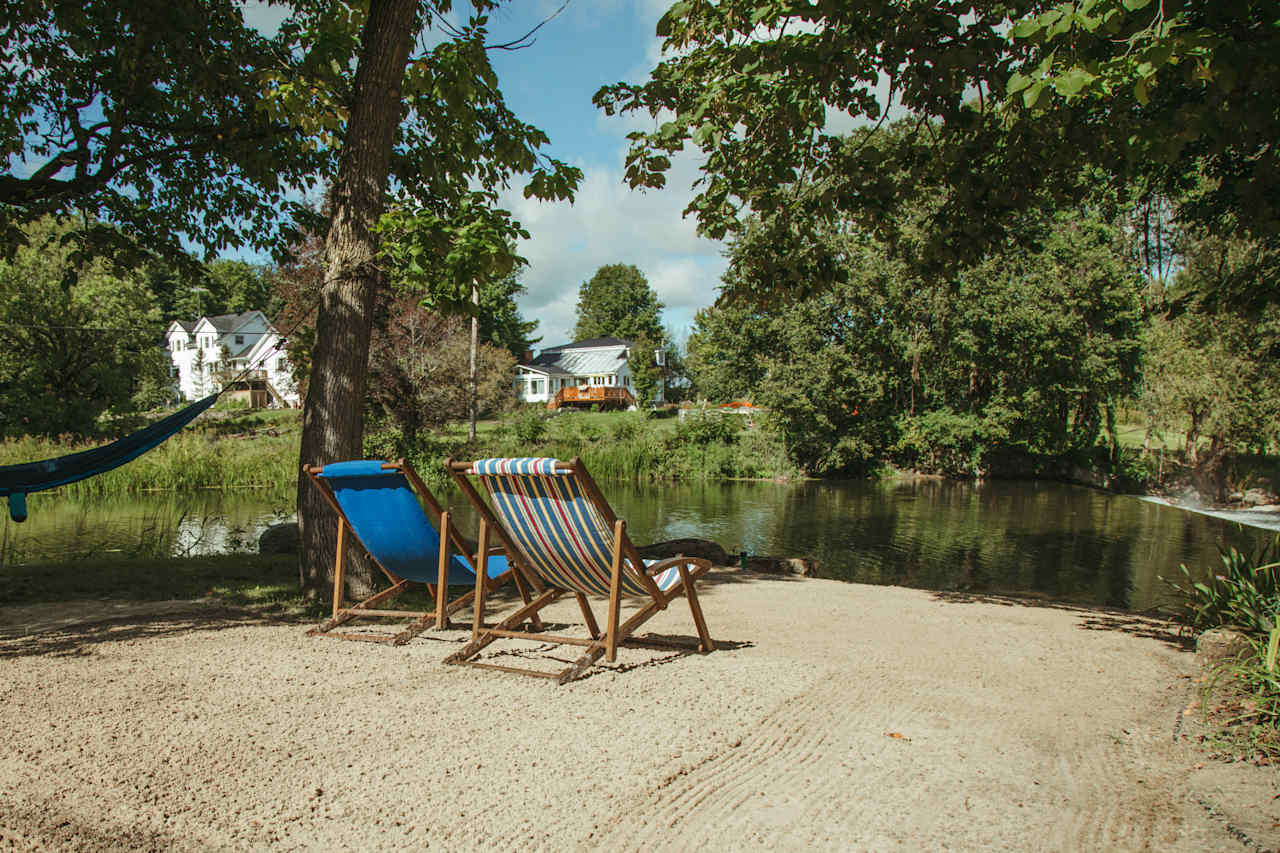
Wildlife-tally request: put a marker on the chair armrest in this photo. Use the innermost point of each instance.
(663, 565)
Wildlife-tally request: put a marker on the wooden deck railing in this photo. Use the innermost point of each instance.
(603, 395)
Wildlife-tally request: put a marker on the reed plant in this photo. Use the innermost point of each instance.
(1241, 695)
(247, 452)
(1243, 591)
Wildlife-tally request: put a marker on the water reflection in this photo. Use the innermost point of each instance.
(156, 525)
(1063, 542)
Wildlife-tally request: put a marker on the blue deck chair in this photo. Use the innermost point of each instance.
(553, 519)
(377, 502)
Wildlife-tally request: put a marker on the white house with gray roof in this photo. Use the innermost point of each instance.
(210, 350)
(590, 371)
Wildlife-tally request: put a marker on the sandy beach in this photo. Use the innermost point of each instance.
(833, 717)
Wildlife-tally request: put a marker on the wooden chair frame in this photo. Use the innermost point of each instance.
(439, 591)
(625, 558)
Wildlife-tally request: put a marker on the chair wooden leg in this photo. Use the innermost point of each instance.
(482, 576)
(339, 569)
(705, 643)
(615, 591)
(522, 586)
(346, 614)
(585, 607)
(582, 664)
(473, 648)
(442, 574)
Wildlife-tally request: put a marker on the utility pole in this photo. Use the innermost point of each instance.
(660, 358)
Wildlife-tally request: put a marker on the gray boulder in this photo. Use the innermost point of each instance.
(803, 566)
(1221, 644)
(279, 539)
(703, 548)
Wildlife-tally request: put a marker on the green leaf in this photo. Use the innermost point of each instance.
(1026, 28)
(1140, 92)
(1017, 82)
(1033, 96)
(1072, 82)
(675, 13)
(1135, 5)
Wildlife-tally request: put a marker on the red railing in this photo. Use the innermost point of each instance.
(604, 395)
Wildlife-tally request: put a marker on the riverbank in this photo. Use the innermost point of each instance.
(844, 717)
(238, 449)
(241, 449)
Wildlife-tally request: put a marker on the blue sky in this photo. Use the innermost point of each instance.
(549, 84)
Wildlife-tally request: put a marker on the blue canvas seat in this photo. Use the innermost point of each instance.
(552, 518)
(378, 503)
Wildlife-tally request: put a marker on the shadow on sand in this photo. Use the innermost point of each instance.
(1165, 631)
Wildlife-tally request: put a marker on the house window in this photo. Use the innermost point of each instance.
(240, 340)
(535, 387)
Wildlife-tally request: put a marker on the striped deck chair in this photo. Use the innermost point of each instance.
(377, 502)
(551, 516)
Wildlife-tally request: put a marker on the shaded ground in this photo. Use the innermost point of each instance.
(836, 717)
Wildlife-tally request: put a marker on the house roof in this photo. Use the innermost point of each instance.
(543, 369)
(588, 343)
(584, 358)
(227, 323)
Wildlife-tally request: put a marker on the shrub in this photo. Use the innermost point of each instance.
(1244, 593)
(1245, 692)
(703, 427)
(530, 427)
(943, 442)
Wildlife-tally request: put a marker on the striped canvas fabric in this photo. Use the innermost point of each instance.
(557, 526)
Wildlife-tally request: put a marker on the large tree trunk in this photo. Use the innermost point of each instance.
(332, 416)
(475, 353)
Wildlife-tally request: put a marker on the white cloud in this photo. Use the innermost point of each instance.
(610, 223)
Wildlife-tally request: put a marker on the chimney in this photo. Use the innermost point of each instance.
(527, 358)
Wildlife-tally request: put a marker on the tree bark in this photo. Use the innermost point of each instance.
(332, 415)
(475, 353)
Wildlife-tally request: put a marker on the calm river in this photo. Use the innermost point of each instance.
(1062, 542)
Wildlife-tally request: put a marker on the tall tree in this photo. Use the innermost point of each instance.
(76, 339)
(1023, 351)
(146, 115)
(618, 302)
(501, 323)
(419, 374)
(1007, 103)
(437, 123)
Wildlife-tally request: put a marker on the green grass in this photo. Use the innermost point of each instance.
(246, 580)
(614, 446)
(1132, 435)
(248, 449)
(1241, 697)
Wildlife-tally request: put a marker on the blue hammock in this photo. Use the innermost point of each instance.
(17, 481)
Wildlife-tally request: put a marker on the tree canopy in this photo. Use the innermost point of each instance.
(149, 116)
(76, 339)
(618, 302)
(1004, 105)
(1025, 350)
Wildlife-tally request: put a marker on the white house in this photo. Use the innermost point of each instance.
(587, 372)
(216, 349)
